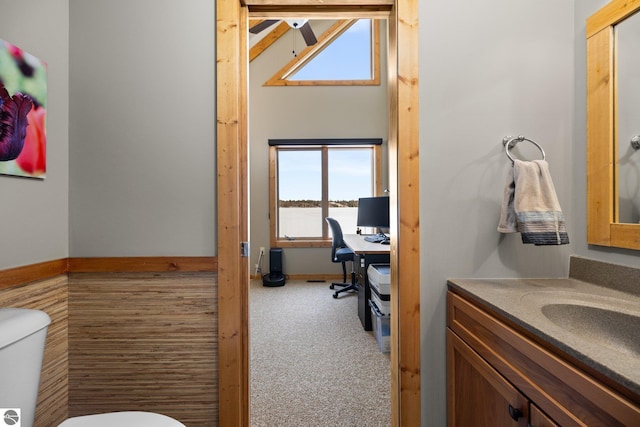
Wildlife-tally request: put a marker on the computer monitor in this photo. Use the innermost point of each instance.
(373, 212)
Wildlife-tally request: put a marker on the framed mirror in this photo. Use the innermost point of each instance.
(627, 104)
(611, 110)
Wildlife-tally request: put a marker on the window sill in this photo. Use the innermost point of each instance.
(301, 243)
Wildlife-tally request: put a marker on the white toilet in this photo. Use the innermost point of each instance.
(23, 333)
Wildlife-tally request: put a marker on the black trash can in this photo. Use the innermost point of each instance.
(275, 277)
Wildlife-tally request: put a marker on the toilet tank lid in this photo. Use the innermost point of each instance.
(18, 323)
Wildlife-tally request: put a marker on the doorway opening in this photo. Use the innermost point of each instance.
(294, 184)
(232, 136)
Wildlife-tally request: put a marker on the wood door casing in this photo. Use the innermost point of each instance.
(402, 16)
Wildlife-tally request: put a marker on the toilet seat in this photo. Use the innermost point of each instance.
(122, 419)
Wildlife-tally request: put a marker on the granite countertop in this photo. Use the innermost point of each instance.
(597, 325)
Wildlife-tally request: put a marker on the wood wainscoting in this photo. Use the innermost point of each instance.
(144, 341)
(50, 296)
(135, 333)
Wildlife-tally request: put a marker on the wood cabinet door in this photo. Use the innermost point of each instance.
(539, 418)
(569, 395)
(477, 394)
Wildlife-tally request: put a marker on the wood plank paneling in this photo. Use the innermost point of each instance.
(144, 341)
(49, 295)
(161, 354)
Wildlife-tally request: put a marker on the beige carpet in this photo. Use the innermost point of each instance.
(311, 362)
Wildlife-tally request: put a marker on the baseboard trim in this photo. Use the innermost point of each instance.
(33, 272)
(307, 277)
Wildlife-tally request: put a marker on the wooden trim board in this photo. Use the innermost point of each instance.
(33, 272)
(143, 264)
(21, 275)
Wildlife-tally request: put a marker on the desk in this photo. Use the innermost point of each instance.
(366, 253)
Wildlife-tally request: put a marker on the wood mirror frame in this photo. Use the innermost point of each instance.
(602, 226)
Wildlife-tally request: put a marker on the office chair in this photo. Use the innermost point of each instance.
(341, 253)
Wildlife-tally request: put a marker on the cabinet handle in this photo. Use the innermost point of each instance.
(515, 413)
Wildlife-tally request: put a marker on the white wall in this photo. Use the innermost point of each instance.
(142, 129)
(34, 213)
(487, 70)
(304, 112)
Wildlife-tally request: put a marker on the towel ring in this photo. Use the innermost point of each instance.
(509, 142)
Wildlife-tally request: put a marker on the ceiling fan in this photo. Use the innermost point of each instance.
(296, 24)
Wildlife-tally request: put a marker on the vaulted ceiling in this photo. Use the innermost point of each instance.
(272, 32)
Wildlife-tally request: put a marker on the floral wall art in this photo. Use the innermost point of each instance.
(23, 112)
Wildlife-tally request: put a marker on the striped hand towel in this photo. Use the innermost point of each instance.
(530, 205)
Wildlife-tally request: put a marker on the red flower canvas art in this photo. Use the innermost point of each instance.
(23, 113)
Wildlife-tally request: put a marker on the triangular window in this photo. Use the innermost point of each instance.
(348, 57)
(348, 53)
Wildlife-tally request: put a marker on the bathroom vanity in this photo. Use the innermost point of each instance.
(545, 352)
(564, 352)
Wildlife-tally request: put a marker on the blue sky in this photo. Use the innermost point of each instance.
(301, 174)
(346, 58)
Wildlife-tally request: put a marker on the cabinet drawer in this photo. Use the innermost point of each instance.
(565, 393)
